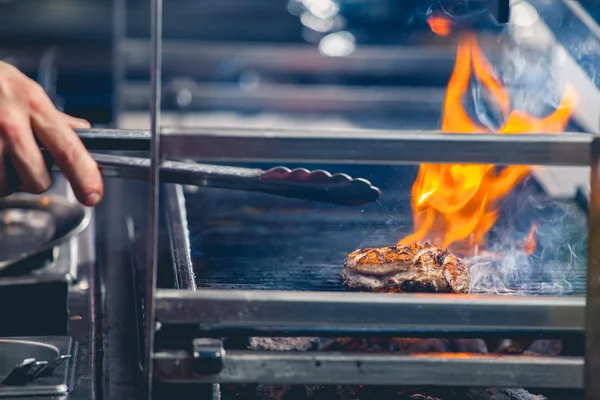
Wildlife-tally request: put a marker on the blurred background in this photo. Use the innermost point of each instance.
(342, 63)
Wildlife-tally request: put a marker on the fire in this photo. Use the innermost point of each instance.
(529, 245)
(440, 25)
(456, 205)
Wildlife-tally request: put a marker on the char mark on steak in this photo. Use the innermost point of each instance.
(408, 269)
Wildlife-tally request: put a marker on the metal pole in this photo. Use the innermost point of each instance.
(592, 325)
(155, 72)
(119, 35)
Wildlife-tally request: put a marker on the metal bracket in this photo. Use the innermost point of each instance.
(208, 356)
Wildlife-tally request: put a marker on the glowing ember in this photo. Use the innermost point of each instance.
(456, 205)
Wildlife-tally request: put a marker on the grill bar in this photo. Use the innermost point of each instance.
(376, 147)
(353, 147)
(272, 312)
(335, 368)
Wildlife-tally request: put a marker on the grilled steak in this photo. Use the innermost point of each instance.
(413, 268)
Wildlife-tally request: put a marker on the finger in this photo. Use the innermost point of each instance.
(20, 144)
(71, 156)
(74, 122)
(65, 147)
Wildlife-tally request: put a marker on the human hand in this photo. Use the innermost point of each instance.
(27, 115)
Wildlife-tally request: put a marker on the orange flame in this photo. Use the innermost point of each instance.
(457, 204)
(440, 25)
(529, 245)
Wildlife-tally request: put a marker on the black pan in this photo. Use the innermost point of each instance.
(31, 225)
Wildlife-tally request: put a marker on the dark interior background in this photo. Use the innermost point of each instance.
(81, 33)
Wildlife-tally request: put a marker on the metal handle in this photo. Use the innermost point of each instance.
(114, 139)
(298, 183)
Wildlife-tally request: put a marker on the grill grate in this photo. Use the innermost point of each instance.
(252, 241)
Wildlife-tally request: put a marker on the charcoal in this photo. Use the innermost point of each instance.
(526, 346)
(240, 392)
(284, 343)
(545, 347)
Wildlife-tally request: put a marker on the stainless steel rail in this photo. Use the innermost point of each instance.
(376, 146)
(352, 146)
(319, 313)
(367, 369)
(592, 327)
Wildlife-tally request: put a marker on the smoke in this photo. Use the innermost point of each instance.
(529, 76)
(532, 79)
(572, 24)
(558, 265)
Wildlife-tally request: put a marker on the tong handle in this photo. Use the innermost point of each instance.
(299, 183)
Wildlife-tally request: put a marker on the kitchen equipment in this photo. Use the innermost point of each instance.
(32, 225)
(189, 331)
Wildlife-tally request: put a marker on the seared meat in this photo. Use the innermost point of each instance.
(414, 268)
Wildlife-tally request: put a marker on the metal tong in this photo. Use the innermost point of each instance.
(298, 183)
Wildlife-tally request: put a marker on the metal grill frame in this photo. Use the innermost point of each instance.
(215, 313)
(272, 313)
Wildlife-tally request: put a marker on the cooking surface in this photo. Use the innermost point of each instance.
(253, 241)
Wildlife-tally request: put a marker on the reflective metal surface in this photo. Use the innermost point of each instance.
(299, 183)
(325, 313)
(376, 147)
(355, 146)
(40, 349)
(30, 225)
(592, 326)
(156, 33)
(370, 369)
(177, 227)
